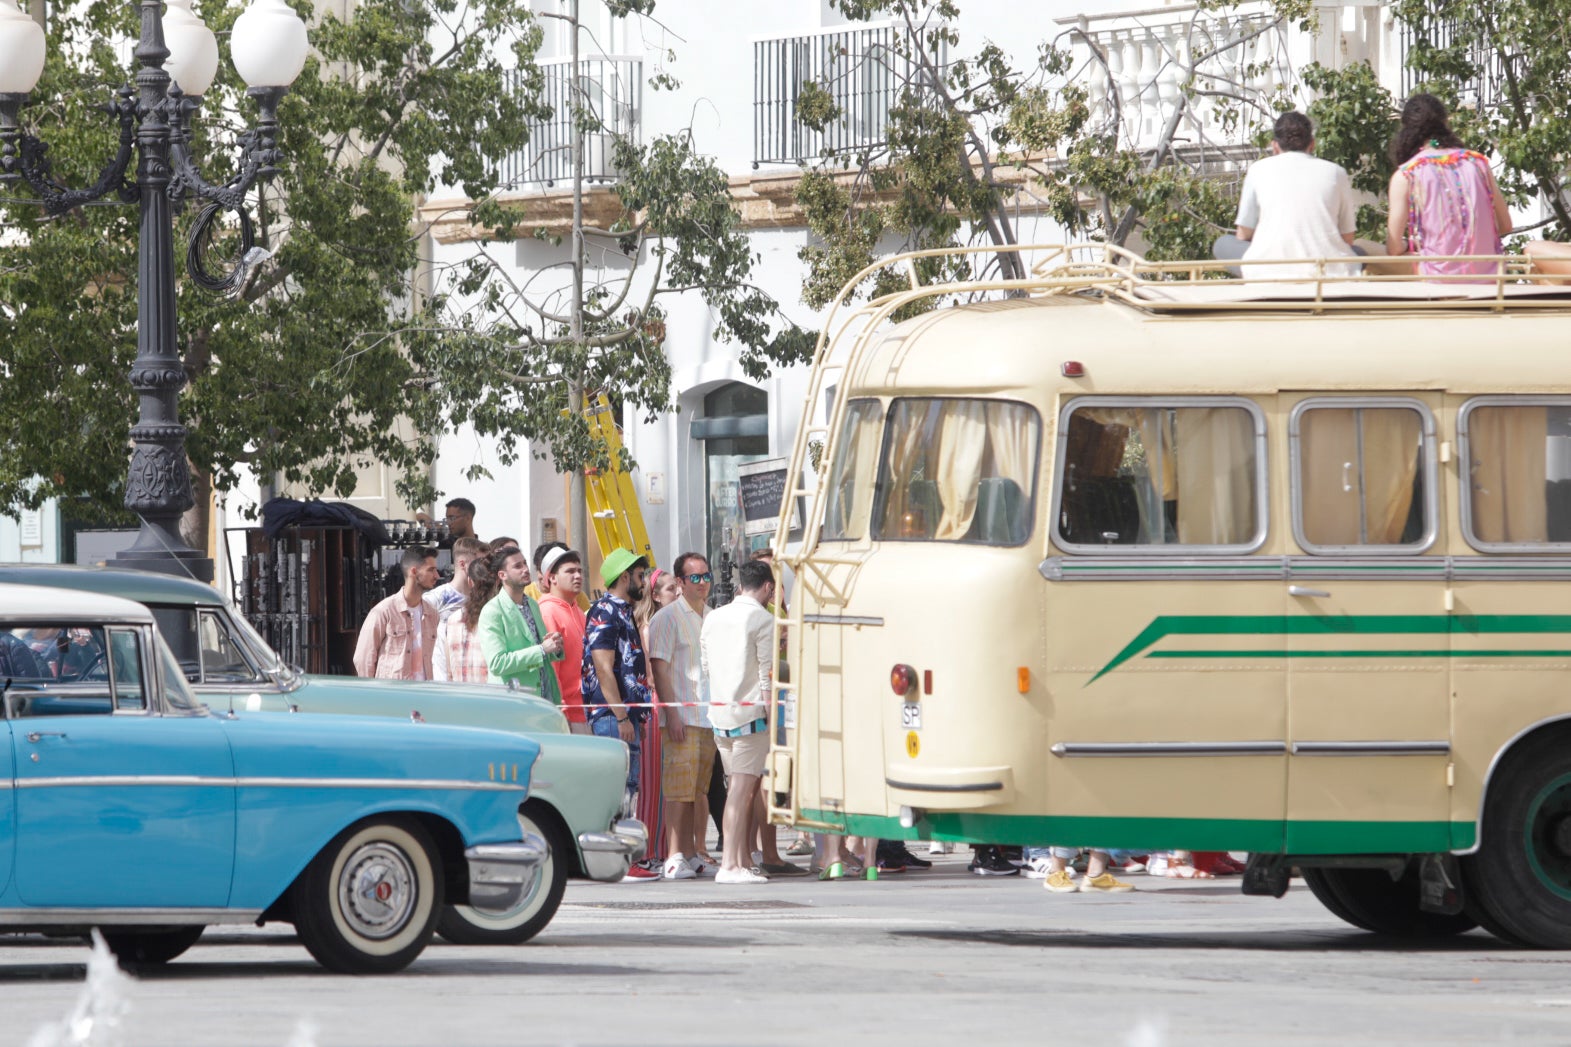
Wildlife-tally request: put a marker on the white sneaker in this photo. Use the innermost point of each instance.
(740, 876)
(1036, 868)
(938, 847)
(676, 868)
(696, 864)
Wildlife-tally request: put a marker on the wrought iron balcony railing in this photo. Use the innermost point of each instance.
(610, 89)
(863, 72)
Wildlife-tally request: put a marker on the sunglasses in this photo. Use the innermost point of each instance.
(700, 579)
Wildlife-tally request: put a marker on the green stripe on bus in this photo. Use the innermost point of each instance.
(1332, 625)
(1157, 834)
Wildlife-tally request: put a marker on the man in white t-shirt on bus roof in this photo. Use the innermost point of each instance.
(1293, 205)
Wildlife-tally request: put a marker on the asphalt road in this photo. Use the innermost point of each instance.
(918, 958)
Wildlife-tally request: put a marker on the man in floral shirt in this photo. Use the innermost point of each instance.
(616, 683)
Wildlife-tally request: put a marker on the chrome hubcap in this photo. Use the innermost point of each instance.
(377, 892)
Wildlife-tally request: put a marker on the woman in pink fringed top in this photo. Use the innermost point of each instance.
(1444, 200)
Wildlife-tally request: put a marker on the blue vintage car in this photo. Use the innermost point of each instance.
(574, 802)
(134, 809)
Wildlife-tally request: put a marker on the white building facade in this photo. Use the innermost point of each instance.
(740, 68)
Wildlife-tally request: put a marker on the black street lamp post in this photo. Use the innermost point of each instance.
(269, 49)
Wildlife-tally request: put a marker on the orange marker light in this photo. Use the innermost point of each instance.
(1023, 679)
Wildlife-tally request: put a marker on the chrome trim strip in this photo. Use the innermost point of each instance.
(124, 917)
(1262, 477)
(1306, 568)
(840, 619)
(1428, 447)
(1435, 748)
(67, 781)
(1169, 749)
(979, 787)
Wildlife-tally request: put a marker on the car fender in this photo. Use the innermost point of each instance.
(301, 781)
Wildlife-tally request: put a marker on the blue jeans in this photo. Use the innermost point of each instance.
(605, 726)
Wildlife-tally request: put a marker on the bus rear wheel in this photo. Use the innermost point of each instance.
(1519, 881)
(1369, 899)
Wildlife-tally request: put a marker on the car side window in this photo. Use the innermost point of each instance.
(125, 660)
(222, 659)
(55, 670)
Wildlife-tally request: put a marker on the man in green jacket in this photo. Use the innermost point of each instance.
(513, 636)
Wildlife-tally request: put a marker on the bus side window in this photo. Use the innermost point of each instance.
(1143, 474)
(1517, 455)
(1362, 475)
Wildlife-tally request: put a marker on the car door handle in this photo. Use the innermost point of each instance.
(1302, 590)
(37, 736)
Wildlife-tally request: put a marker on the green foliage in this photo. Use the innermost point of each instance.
(305, 375)
(1509, 62)
(973, 138)
(508, 361)
(1355, 119)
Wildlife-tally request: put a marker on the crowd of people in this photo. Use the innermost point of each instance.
(684, 685)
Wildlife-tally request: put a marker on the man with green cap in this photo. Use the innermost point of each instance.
(616, 682)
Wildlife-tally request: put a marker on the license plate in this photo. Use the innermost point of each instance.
(911, 716)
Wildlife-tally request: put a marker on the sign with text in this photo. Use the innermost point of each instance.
(763, 490)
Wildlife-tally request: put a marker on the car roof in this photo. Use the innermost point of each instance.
(141, 586)
(33, 603)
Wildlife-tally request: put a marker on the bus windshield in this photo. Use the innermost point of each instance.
(957, 469)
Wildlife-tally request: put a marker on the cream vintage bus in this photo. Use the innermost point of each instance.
(1104, 557)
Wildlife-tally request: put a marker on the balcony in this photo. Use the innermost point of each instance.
(863, 71)
(1135, 65)
(610, 88)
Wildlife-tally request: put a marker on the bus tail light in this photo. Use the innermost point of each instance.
(902, 680)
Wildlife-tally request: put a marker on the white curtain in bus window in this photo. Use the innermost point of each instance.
(1516, 495)
(1360, 479)
(849, 499)
(1160, 476)
(958, 469)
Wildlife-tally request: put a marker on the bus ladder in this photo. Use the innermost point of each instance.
(612, 500)
(1059, 269)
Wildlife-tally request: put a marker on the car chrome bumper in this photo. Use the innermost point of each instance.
(608, 855)
(501, 873)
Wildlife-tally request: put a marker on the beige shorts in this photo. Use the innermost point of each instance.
(686, 766)
(744, 754)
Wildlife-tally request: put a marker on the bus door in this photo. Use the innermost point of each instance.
(1367, 630)
(1167, 689)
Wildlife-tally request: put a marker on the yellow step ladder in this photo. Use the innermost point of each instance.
(612, 500)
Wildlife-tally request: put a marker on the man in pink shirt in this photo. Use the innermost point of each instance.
(400, 632)
(561, 582)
